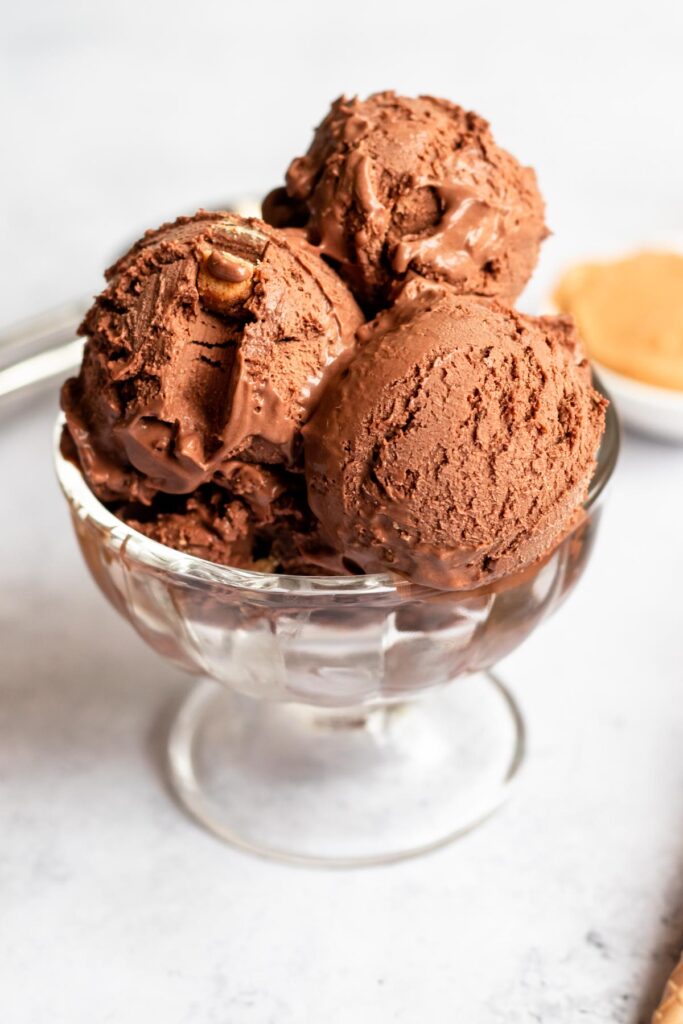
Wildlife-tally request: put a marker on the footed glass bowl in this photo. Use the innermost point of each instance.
(333, 738)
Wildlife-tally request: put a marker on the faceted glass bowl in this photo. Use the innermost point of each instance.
(316, 748)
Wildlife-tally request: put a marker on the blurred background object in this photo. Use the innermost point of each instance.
(628, 308)
(670, 1010)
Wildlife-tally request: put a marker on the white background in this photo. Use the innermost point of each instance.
(113, 907)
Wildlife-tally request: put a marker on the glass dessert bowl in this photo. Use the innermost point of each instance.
(334, 738)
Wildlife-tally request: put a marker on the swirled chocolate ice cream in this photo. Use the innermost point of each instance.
(233, 404)
(204, 356)
(208, 346)
(393, 185)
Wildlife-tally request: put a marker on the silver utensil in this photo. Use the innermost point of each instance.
(38, 350)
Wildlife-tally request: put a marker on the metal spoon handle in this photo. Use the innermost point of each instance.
(40, 349)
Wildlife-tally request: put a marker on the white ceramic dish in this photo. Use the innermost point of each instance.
(646, 408)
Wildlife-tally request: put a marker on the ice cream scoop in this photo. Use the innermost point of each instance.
(392, 185)
(208, 346)
(208, 524)
(458, 445)
(260, 521)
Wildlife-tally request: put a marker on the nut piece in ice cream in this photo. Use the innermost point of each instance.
(457, 447)
(208, 345)
(224, 281)
(392, 186)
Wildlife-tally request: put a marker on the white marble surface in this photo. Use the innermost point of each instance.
(567, 906)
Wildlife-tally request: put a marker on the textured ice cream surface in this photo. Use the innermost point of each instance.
(261, 522)
(208, 524)
(392, 186)
(457, 447)
(208, 345)
(233, 404)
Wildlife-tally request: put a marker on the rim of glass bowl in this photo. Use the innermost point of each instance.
(149, 552)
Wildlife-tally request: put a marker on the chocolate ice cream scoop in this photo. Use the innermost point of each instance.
(258, 519)
(458, 445)
(207, 524)
(208, 345)
(392, 185)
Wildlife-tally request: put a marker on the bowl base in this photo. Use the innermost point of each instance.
(348, 787)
